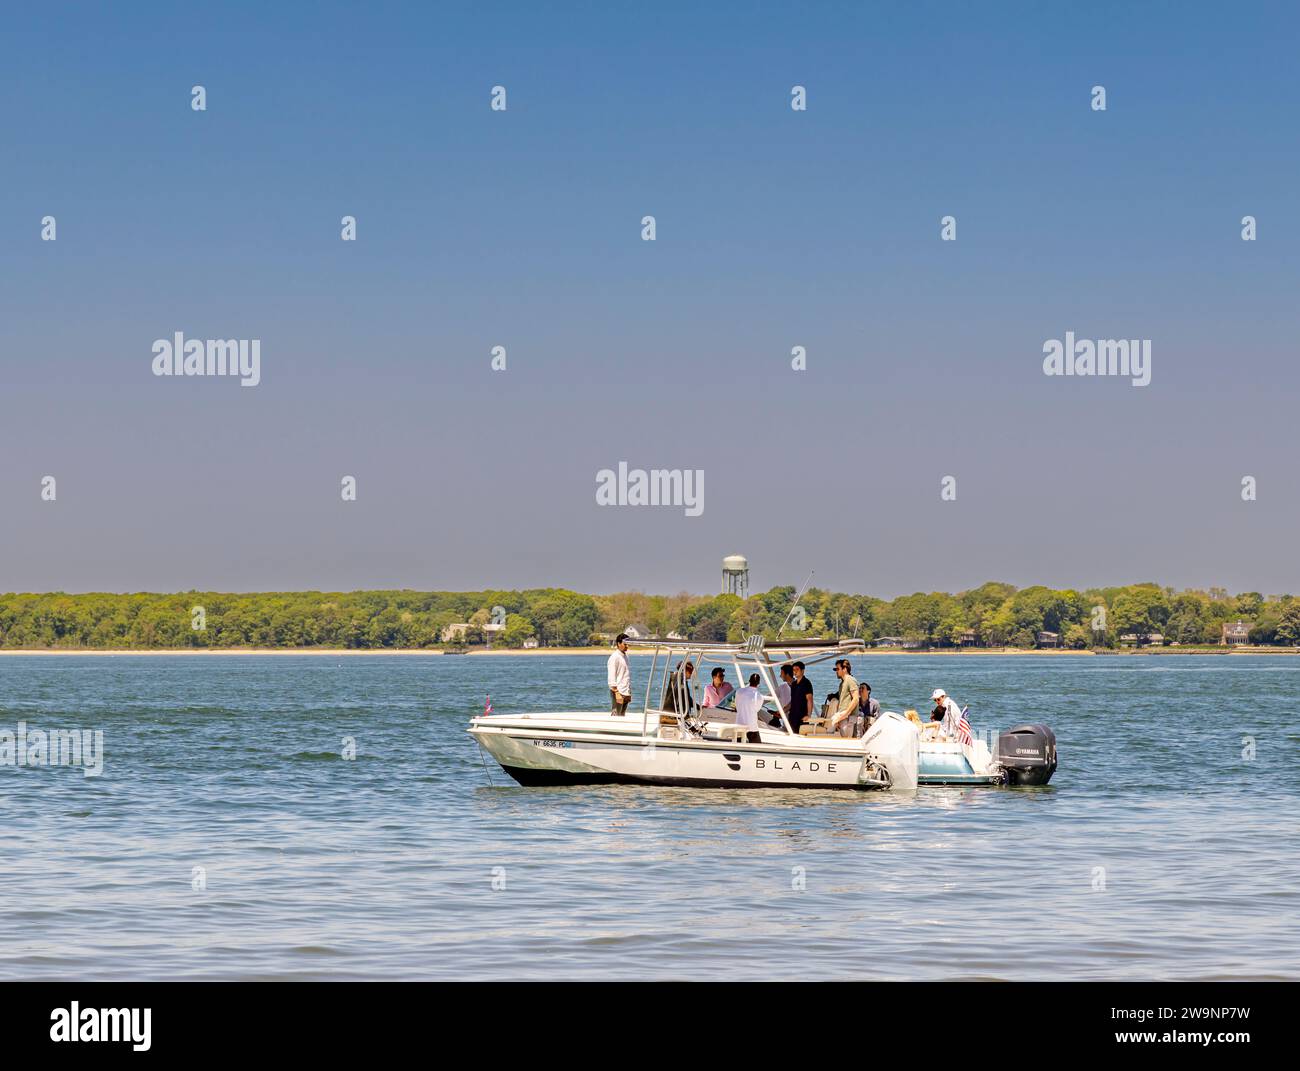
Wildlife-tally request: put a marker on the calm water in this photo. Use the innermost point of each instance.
(383, 867)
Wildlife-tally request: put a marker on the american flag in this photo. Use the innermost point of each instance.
(963, 728)
(487, 707)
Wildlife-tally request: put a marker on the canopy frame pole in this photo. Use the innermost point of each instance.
(649, 686)
(765, 668)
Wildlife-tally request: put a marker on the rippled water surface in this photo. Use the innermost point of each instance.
(1162, 848)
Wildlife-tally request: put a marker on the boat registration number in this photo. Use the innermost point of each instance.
(553, 743)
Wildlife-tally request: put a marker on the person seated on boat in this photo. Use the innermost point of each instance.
(679, 684)
(946, 712)
(801, 697)
(868, 708)
(718, 689)
(749, 701)
(845, 718)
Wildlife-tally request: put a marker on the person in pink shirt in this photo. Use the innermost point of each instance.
(718, 689)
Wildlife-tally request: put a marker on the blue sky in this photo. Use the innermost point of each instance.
(775, 228)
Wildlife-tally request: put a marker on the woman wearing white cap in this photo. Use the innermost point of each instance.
(945, 710)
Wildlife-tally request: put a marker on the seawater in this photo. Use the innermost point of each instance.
(229, 838)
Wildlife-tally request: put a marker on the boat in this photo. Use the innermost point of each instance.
(1025, 755)
(674, 742)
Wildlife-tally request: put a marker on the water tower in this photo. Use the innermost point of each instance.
(735, 576)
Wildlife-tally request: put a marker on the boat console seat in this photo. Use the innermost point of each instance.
(730, 732)
(817, 727)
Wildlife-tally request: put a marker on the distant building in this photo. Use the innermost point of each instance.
(913, 645)
(1133, 639)
(491, 631)
(1235, 633)
(675, 635)
(455, 632)
(966, 638)
(637, 632)
(889, 641)
(1048, 639)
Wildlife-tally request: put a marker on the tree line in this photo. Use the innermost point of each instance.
(1000, 615)
(356, 619)
(992, 615)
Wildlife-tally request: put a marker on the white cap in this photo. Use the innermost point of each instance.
(939, 693)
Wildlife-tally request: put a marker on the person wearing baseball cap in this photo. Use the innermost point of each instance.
(945, 711)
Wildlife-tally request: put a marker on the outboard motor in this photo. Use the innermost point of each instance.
(893, 742)
(1027, 754)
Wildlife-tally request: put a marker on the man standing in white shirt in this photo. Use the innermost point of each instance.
(749, 701)
(619, 676)
(783, 689)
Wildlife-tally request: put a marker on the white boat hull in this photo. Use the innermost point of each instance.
(599, 749)
(948, 762)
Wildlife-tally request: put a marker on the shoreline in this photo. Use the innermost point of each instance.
(592, 652)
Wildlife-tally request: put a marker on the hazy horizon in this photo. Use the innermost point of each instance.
(775, 229)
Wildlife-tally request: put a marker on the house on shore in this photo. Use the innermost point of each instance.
(1146, 639)
(1048, 639)
(1234, 634)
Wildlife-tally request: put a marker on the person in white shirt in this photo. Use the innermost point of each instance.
(749, 701)
(619, 676)
(783, 689)
(945, 711)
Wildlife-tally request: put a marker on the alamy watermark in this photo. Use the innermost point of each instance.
(75, 1023)
(657, 487)
(1102, 357)
(179, 356)
(58, 747)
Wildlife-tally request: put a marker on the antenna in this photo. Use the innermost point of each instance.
(792, 608)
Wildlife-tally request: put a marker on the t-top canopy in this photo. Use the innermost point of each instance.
(756, 653)
(756, 648)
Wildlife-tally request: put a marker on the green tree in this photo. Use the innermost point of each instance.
(1288, 625)
(518, 628)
